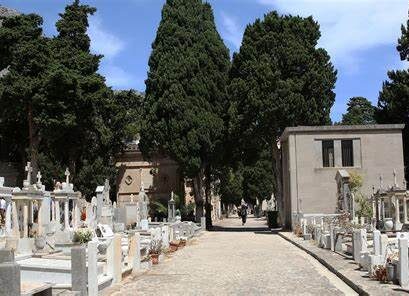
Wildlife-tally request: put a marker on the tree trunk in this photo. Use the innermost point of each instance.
(208, 193)
(197, 190)
(34, 142)
(279, 187)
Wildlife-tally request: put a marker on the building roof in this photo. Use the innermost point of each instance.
(339, 128)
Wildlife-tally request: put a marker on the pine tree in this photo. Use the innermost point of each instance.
(186, 92)
(359, 111)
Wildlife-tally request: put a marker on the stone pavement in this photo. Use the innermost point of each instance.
(236, 263)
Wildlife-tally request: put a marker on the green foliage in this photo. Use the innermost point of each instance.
(231, 186)
(355, 183)
(359, 111)
(82, 235)
(393, 102)
(364, 206)
(279, 78)
(56, 110)
(186, 87)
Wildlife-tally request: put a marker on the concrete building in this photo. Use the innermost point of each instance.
(312, 156)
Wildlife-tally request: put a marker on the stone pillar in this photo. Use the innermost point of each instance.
(77, 216)
(405, 210)
(66, 215)
(15, 226)
(114, 259)
(203, 223)
(403, 265)
(8, 220)
(136, 259)
(79, 270)
(92, 268)
(332, 237)
(10, 279)
(25, 221)
(377, 242)
(397, 212)
(57, 213)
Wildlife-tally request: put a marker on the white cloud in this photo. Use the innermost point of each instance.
(231, 30)
(117, 77)
(349, 27)
(102, 41)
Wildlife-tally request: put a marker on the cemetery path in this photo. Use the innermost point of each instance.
(236, 263)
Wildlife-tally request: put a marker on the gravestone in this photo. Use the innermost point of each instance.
(79, 270)
(92, 268)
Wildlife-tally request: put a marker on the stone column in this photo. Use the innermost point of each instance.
(66, 215)
(92, 268)
(405, 210)
(403, 265)
(57, 213)
(203, 223)
(377, 242)
(114, 259)
(25, 221)
(10, 278)
(397, 212)
(8, 220)
(15, 226)
(79, 270)
(136, 258)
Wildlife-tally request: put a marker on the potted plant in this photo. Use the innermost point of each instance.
(154, 251)
(82, 236)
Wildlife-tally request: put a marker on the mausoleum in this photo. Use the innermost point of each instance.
(313, 155)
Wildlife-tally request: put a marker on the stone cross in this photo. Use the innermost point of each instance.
(67, 176)
(39, 178)
(29, 170)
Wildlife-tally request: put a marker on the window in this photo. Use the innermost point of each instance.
(328, 153)
(347, 153)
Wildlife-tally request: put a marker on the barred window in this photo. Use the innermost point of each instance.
(328, 153)
(347, 153)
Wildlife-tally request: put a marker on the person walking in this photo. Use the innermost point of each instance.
(243, 212)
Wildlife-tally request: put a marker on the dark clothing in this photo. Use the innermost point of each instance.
(243, 213)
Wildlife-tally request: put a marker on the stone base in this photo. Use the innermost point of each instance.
(63, 237)
(25, 246)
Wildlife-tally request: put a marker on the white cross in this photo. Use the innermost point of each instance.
(39, 177)
(67, 176)
(29, 170)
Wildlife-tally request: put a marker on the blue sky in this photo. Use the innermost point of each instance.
(360, 36)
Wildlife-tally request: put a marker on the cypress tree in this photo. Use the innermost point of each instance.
(279, 78)
(186, 92)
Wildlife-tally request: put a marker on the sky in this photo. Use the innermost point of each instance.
(359, 35)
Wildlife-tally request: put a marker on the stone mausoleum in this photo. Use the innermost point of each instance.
(312, 156)
(159, 177)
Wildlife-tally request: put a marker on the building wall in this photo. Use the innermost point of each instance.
(160, 176)
(311, 188)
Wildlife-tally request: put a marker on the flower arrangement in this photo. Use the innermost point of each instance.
(82, 235)
(155, 247)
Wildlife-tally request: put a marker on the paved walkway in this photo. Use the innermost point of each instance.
(236, 263)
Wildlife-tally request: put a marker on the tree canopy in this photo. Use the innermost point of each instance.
(279, 78)
(186, 97)
(359, 111)
(393, 102)
(56, 109)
